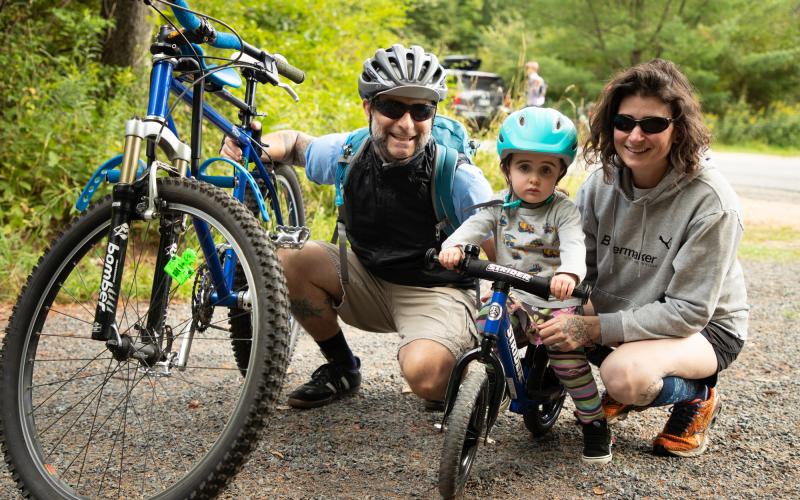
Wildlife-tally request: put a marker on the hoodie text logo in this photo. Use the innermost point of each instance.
(629, 252)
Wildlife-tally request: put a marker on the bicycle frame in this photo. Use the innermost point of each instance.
(505, 361)
(504, 365)
(158, 129)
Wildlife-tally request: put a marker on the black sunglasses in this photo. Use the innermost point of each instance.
(396, 109)
(649, 125)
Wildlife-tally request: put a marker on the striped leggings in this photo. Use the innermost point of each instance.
(571, 368)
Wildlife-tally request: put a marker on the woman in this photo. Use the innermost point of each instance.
(662, 230)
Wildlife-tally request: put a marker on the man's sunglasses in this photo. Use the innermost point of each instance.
(649, 125)
(396, 109)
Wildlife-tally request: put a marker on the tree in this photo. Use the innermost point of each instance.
(125, 42)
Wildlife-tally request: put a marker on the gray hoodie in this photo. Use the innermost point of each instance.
(664, 265)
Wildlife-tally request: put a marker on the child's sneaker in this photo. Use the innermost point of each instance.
(686, 431)
(596, 442)
(328, 382)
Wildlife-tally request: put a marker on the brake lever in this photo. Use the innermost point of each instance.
(289, 90)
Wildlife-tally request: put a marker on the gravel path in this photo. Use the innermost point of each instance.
(381, 443)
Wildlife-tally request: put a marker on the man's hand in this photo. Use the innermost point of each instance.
(568, 332)
(230, 148)
(451, 257)
(562, 285)
(283, 146)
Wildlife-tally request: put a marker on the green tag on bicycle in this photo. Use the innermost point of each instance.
(181, 268)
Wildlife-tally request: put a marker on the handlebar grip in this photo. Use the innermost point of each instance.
(431, 258)
(285, 69)
(582, 291)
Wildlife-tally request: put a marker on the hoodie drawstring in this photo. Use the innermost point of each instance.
(613, 228)
(641, 242)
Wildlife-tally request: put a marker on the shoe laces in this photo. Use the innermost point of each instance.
(681, 416)
(328, 372)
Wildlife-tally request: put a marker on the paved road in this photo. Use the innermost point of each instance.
(753, 175)
(758, 174)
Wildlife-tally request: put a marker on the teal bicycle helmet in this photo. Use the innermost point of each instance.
(538, 130)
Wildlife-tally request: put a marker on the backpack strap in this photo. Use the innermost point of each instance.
(353, 146)
(444, 173)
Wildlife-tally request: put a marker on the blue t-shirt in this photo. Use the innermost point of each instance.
(470, 187)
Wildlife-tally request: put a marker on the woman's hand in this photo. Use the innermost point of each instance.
(568, 332)
(562, 285)
(451, 257)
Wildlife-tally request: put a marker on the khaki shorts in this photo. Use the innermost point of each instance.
(443, 314)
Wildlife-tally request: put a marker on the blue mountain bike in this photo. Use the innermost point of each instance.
(150, 342)
(483, 377)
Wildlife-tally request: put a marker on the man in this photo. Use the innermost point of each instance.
(390, 223)
(537, 88)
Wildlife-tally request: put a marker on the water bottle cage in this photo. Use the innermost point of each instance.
(290, 236)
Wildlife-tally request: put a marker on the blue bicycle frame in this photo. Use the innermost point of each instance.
(498, 349)
(158, 129)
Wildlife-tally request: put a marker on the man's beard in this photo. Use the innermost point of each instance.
(380, 141)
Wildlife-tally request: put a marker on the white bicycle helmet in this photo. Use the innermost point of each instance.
(407, 72)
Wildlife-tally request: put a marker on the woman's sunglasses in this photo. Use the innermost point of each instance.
(396, 109)
(649, 125)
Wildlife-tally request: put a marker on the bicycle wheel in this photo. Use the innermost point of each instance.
(290, 197)
(464, 432)
(78, 423)
(540, 417)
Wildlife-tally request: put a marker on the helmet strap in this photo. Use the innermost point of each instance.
(517, 203)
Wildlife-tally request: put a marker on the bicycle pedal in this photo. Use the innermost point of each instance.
(290, 236)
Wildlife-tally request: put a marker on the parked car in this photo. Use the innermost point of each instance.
(478, 95)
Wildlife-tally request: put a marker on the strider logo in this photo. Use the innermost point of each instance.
(630, 253)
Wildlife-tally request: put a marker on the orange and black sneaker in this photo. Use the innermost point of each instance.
(614, 409)
(686, 431)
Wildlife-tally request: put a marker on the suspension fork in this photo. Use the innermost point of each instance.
(123, 210)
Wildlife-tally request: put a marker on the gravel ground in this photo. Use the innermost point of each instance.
(381, 443)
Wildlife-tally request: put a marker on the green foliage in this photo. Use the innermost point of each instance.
(328, 41)
(56, 119)
(777, 125)
(729, 49)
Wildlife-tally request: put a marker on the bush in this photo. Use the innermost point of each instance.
(777, 126)
(56, 117)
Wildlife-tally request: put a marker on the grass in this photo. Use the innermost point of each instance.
(771, 244)
(756, 147)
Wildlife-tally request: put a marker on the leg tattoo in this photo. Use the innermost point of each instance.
(304, 309)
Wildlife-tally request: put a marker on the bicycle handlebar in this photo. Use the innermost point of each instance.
(537, 285)
(193, 23)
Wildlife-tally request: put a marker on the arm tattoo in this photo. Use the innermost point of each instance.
(304, 309)
(295, 145)
(576, 329)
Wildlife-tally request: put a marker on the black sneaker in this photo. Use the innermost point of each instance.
(328, 382)
(596, 442)
(434, 405)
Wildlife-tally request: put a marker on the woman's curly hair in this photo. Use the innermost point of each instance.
(657, 78)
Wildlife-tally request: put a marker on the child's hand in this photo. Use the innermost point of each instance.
(451, 257)
(562, 285)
